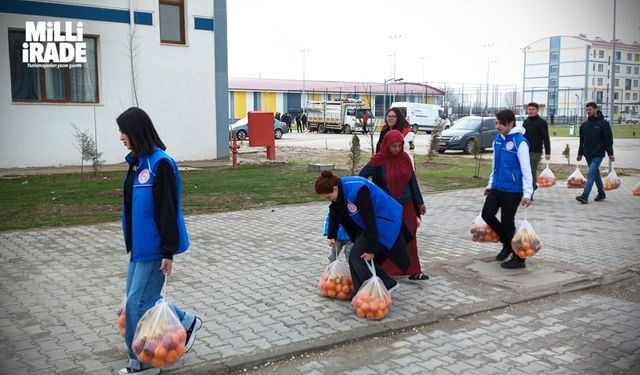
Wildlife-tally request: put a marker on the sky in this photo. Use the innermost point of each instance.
(434, 41)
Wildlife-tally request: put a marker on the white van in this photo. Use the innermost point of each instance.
(423, 116)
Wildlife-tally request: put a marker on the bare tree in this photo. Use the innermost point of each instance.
(132, 48)
(451, 96)
(509, 98)
(435, 138)
(88, 150)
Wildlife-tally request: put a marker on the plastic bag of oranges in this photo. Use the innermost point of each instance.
(482, 232)
(122, 319)
(612, 181)
(636, 190)
(159, 338)
(546, 178)
(525, 242)
(335, 281)
(372, 301)
(576, 180)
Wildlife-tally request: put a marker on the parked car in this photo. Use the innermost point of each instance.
(632, 120)
(520, 120)
(468, 131)
(241, 128)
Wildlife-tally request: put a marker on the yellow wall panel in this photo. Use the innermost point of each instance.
(239, 104)
(268, 102)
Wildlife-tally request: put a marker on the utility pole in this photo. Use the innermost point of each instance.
(613, 67)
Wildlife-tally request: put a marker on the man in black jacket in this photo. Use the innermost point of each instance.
(596, 138)
(537, 134)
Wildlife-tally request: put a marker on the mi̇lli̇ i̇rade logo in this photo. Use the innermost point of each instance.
(47, 46)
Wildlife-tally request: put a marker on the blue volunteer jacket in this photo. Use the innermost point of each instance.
(507, 174)
(388, 211)
(342, 234)
(145, 241)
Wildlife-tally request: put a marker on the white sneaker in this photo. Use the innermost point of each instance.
(147, 371)
(191, 333)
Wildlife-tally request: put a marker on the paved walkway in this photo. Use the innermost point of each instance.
(251, 275)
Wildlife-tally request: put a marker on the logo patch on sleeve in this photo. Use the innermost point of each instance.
(144, 176)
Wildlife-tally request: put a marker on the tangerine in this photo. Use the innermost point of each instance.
(171, 357)
(361, 313)
(144, 357)
(157, 362)
(160, 352)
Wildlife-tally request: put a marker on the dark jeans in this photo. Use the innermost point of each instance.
(358, 267)
(534, 159)
(508, 204)
(299, 127)
(593, 176)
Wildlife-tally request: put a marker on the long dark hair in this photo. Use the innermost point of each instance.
(143, 138)
(401, 122)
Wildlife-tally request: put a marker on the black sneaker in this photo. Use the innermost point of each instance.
(582, 199)
(504, 254)
(600, 197)
(191, 334)
(419, 276)
(396, 286)
(513, 263)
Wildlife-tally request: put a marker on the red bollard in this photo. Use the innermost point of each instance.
(234, 152)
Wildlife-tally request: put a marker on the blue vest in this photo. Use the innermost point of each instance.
(507, 175)
(145, 241)
(387, 210)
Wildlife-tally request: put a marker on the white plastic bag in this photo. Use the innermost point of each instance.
(576, 180)
(546, 178)
(335, 281)
(122, 319)
(636, 190)
(372, 301)
(482, 232)
(525, 242)
(612, 181)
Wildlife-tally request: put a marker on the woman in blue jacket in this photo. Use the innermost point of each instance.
(509, 185)
(373, 221)
(153, 226)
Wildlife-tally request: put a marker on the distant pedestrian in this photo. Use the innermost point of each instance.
(277, 116)
(365, 122)
(286, 118)
(303, 119)
(373, 222)
(392, 170)
(299, 123)
(537, 134)
(153, 225)
(395, 119)
(509, 184)
(596, 138)
(342, 241)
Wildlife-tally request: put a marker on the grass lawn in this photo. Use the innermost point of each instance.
(69, 199)
(619, 131)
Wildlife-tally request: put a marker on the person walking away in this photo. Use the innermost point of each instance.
(392, 170)
(298, 123)
(304, 121)
(509, 184)
(394, 119)
(537, 134)
(596, 138)
(373, 222)
(153, 225)
(365, 121)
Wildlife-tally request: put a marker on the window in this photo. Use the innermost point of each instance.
(635, 83)
(553, 82)
(628, 70)
(636, 70)
(629, 56)
(601, 53)
(618, 54)
(616, 82)
(554, 56)
(172, 21)
(627, 84)
(616, 96)
(600, 67)
(616, 68)
(64, 85)
(599, 81)
(627, 96)
(635, 96)
(636, 57)
(598, 96)
(553, 69)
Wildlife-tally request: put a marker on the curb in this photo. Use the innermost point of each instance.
(425, 318)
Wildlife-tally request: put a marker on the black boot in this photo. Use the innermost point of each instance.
(600, 197)
(514, 263)
(504, 254)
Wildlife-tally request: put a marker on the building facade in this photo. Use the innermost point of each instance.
(158, 55)
(563, 73)
(280, 95)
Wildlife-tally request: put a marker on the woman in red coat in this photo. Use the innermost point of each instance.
(392, 170)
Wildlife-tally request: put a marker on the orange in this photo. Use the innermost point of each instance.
(180, 335)
(331, 285)
(342, 296)
(380, 314)
(361, 313)
(365, 307)
(530, 252)
(370, 315)
(171, 357)
(157, 362)
(526, 245)
(180, 349)
(331, 293)
(160, 352)
(144, 357)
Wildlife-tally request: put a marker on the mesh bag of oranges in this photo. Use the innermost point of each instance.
(372, 300)
(546, 178)
(612, 181)
(122, 318)
(636, 190)
(576, 179)
(525, 242)
(482, 232)
(335, 281)
(159, 338)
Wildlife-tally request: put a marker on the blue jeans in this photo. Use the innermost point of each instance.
(144, 284)
(593, 176)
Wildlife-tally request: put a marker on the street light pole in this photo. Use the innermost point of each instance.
(613, 66)
(486, 101)
(304, 63)
(424, 60)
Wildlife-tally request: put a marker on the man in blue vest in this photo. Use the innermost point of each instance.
(509, 185)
